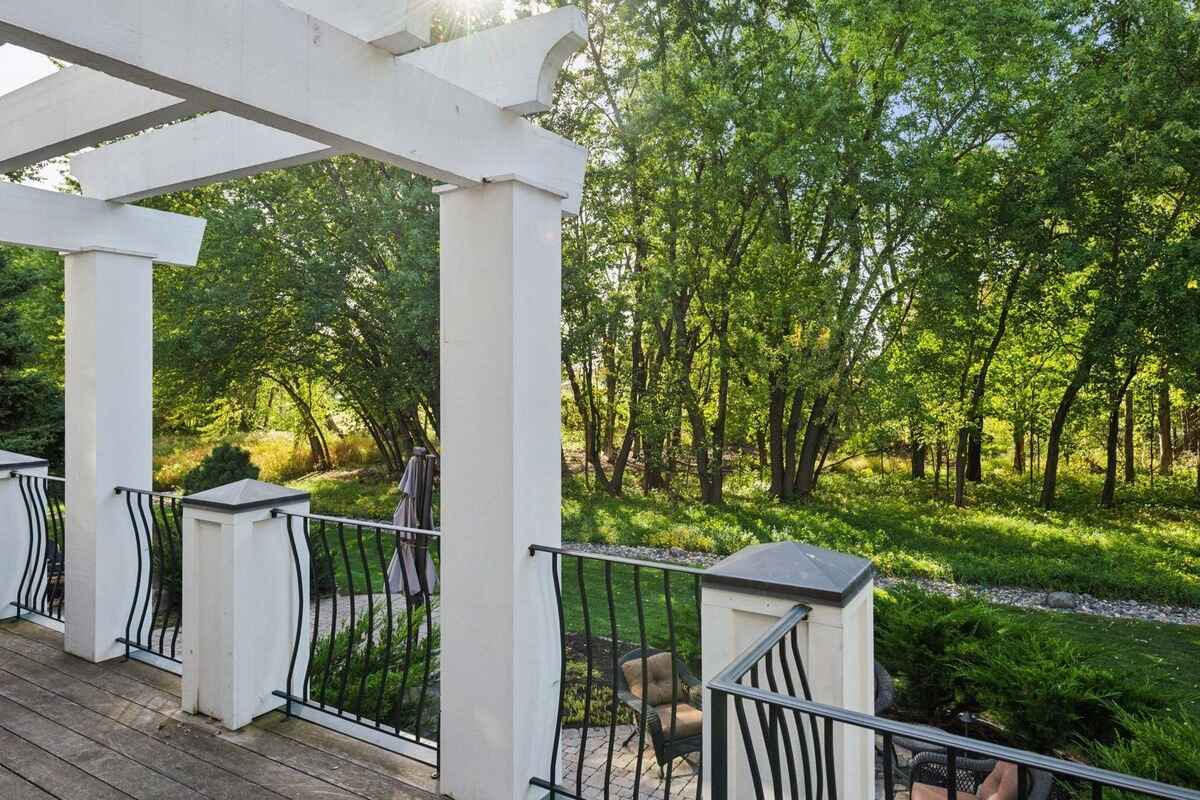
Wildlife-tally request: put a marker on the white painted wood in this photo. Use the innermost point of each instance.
(76, 108)
(109, 352)
(515, 65)
(501, 307)
(301, 75)
(14, 527)
(838, 648)
(212, 148)
(396, 26)
(240, 602)
(48, 220)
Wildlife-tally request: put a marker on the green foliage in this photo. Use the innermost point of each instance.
(31, 406)
(600, 710)
(227, 463)
(1148, 549)
(921, 638)
(356, 671)
(1046, 692)
(1161, 747)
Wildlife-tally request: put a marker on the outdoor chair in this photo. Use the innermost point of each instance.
(689, 720)
(930, 769)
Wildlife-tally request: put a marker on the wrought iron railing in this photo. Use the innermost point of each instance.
(43, 580)
(787, 741)
(156, 607)
(618, 618)
(371, 606)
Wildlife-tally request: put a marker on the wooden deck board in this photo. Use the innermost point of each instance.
(120, 726)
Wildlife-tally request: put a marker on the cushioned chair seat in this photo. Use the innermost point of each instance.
(689, 721)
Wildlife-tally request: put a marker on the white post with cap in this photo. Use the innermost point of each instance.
(241, 600)
(746, 595)
(15, 536)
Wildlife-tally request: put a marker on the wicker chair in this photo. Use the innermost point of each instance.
(932, 769)
(666, 748)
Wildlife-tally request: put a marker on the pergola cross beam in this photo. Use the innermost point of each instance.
(68, 223)
(303, 76)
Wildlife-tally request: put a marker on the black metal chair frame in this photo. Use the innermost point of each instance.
(666, 749)
(932, 769)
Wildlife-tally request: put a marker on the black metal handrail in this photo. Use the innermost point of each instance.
(42, 589)
(773, 706)
(156, 606)
(592, 598)
(373, 645)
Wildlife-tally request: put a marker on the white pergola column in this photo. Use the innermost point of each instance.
(501, 394)
(744, 597)
(109, 425)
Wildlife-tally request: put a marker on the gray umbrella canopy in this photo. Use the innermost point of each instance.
(412, 570)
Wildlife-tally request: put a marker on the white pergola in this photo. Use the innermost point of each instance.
(245, 86)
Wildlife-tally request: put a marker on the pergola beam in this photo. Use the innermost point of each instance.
(76, 108)
(68, 223)
(301, 75)
(396, 26)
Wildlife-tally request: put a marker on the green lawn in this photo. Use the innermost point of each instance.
(1148, 549)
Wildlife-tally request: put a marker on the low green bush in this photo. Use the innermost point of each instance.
(381, 674)
(1162, 748)
(920, 638)
(227, 463)
(1046, 693)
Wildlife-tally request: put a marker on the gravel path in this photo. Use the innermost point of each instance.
(1000, 595)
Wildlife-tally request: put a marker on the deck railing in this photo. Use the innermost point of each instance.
(777, 723)
(156, 605)
(42, 589)
(371, 606)
(614, 612)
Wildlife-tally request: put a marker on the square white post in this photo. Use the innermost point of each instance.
(241, 600)
(14, 527)
(501, 264)
(744, 596)
(109, 426)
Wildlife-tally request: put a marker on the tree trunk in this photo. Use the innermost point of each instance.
(775, 436)
(1019, 448)
(1165, 446)
(975, 452)
(918, 459)
(1130, 467)
(1108, 495)
(960, 467)
(1053, 444)
(810, 451)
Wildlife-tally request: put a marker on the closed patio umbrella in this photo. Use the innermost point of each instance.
(412, 569)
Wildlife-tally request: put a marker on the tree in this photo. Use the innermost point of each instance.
(31, 405)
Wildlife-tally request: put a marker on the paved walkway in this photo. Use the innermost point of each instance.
(72, 729)
(684, 778)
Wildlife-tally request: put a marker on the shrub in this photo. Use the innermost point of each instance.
(1161, 748)
(353, 670)
(227, 463)
(949, 655)
(1045, 692)
(920, 637)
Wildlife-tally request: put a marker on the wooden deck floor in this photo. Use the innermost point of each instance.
(71, 729)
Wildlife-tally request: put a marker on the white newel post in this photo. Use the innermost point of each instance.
(500, 426)
(14, 526)
(747, 593)
(241, 600)
(109, 428)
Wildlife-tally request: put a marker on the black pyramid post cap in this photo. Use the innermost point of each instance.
(10, 461)
(794, 569)
(245, 495)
